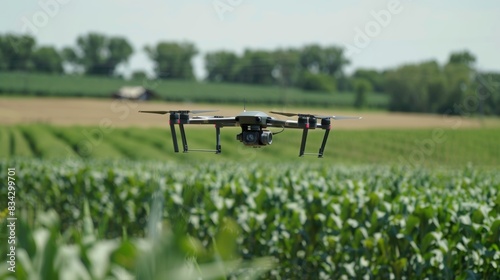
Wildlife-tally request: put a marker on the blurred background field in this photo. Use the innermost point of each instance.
(55, 85)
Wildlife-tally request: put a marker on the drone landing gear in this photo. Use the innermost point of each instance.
(185, 147)
(303, 142)
(183, 138)
(174, 136)
(325, 125)
(218, 149)
(325, 138)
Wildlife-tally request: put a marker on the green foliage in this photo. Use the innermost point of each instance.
(326, 60)
(16, 52)
(98, 54)
(407, 86)
(374, 77)
(361, 87)
(47, 59)
(318, 221)
(44, 252)
(139, 75)
(317, 82)
(220, 66)
(255, 67)
(428, 87)
(463, 57)
(172, 60)
(285, 66)
(488, 92)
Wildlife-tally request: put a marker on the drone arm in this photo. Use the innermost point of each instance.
(288, 124)
(281, 123)
(227, 121)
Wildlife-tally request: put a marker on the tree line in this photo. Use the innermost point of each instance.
(454, 88)
(419, 87)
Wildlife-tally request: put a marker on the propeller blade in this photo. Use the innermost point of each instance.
(178, 111)
(339, 118)
(155, 112)
(317, 116)
(284, 113)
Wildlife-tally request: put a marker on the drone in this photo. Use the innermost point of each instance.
(254, 127)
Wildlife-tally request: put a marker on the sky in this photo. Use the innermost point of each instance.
(378, 34)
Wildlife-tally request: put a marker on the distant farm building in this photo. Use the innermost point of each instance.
(134, 93)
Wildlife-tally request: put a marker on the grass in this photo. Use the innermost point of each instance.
(174, 90)
(479, 147)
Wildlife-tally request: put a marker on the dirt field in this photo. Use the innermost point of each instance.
(77, 111)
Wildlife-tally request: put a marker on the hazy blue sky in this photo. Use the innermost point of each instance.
(416, 30)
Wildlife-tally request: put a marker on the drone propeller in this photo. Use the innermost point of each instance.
(178, 111)
(316, 116)
(338, 118)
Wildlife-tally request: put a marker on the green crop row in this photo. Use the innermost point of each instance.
(414, 148)
(317, 221)
(5, 143)
(44, 144)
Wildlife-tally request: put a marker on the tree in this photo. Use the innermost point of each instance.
(47, 59)
(488, 92)
(255, 67)
(286, 66)
(139, 75)
(428, 87)
(3, 60)
(330, 61)
(220, 66)
(459, 84)
(463, 57)
(98, 54)
(16, 52)
(408, 86)
(375, 78)
(361, 87)
(311, 58)
(437, 91)
(333, 61)
(172, 60)
(317, 82)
